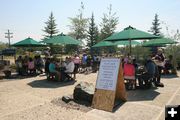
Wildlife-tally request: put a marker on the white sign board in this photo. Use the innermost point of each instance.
(108, 74)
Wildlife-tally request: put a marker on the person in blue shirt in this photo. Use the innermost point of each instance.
(52, 68)
(84, 59)
(146, 79)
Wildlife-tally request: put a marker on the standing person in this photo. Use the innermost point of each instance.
(84, 62)
(31, 67)
(127, 58)
(40, 64)
(25, 64)
(88, 63)
(159, 60)
(47, 52)
(94, 64)
(19, 65)
(168, 64)
(76, 63)
(84, 59)
(47, 62)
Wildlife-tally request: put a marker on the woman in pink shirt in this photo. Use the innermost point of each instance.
(31, 66)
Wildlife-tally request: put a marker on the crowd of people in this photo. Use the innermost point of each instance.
(71, 66)
(61, 68)
(28, 65)
(147, 75)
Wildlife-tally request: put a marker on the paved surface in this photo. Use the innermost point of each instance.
(29, 99)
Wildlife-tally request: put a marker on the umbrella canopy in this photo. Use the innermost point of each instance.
(130, 33)
(159, 42)
(104, 44)
(126, 43)
(62, 40)
(109, 43)
(28, 42)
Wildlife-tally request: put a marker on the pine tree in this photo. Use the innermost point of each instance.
(92, 33)
(51, 27)
(155, 29)
(108, 24)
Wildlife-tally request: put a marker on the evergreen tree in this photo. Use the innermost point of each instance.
(155, 29)
(108, 24)
(79, 25)
(51, 27)
(92, 33)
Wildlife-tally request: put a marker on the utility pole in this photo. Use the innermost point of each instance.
(8, 35)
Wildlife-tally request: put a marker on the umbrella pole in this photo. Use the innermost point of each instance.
(130, 46)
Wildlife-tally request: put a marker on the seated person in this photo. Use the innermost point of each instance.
(64, 63)
(168, 64)
(58, 63)
(31, 66)
(52, 68)
(69, 68)
(145, 79)
(129, 74)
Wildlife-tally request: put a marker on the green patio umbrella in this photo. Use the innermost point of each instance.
(62, 39)
(28, 42)
(104, 44)
(158, 42)
(129, 34)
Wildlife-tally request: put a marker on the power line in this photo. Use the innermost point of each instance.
(8, 35)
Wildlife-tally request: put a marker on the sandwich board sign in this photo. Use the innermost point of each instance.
(110, 86)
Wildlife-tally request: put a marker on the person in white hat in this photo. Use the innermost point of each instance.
(47, 52)
(159, 60)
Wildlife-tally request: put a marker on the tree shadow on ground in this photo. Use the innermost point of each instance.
(137, 95)
(19, 77)
(49, 84)
(169, 76)
(117, 105)
(142, 95)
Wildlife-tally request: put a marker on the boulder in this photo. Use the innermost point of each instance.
(84, 92)
(67, 99)
(7, 73)
(1, 77)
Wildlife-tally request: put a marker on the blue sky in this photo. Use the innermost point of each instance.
(25, 18)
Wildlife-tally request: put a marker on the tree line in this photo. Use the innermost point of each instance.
(85, 29)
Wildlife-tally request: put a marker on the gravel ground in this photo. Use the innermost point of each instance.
(35, 98)
(31, 99)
